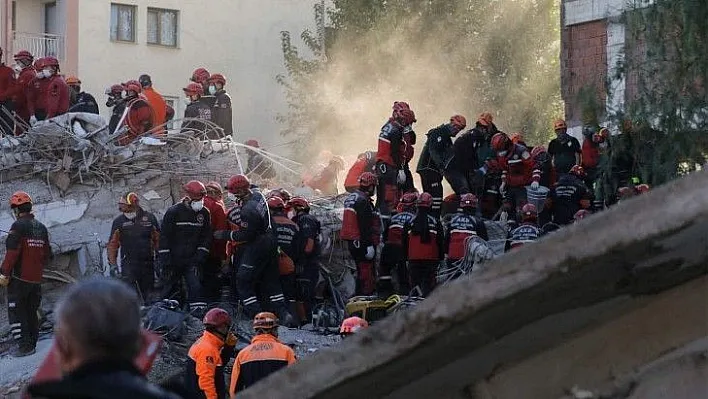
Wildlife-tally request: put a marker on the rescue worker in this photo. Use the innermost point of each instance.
(140, 117)
(543, 166)
(517, 171)
(80, 101)
(518, 138)
(393, 256)
(390, 158)
(221, 109)
(464, 225)
(568, 196)
(185, 239)
(359, 229)
(197, 109)
(409, 140)
(491, 199)
(264, 356)
(216, 262)
(595, 150)
(156, 101)
(436, 161)
(473, 147)
(423, 240)
(28, 253)
(137, 234)
(352, 325)
(257, 164)
(365, 162)
(326, 180)
(117, 103)
(47, 94)
(207, 357)
(565, 149)
(7, 81)
(257, 266)
(307, 269)
(289, 241)
(201, 76)
(528, 231)
(25, 75)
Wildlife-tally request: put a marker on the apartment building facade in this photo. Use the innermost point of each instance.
(110, 41)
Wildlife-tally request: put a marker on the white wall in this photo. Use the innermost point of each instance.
(239, 38)
(29, 16)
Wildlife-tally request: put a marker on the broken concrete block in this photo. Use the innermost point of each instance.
(60, 179)
(151, 195)
(60, 212)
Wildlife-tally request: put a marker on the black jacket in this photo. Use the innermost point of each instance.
(197, 110)
(566, 197)
(101, 380)
(84, 103)
(116, 115)
(255, 219)
(185, 236)
(136, 238)
(438, 152)
(310, 229)
(221, 113)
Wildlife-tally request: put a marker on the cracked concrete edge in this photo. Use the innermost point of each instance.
(668, 208)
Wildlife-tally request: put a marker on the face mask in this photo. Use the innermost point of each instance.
(502, 153)
(197, 205)
(17, 67)
(47, 72)
(187, 101)
(130, 215)
(123, 93)
(212, 90)
(231, 196)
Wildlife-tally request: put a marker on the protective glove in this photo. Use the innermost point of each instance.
(4, 280)
(33, 120)
(502, 189)
(534, 185)
(113, 270)
(401, 177)
(231, 339)
(370, 252)
(223, 235)
(504, 216)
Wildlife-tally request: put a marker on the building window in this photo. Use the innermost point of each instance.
(123, 22)
(162, 27)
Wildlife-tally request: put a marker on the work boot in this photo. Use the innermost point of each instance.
(22, 351)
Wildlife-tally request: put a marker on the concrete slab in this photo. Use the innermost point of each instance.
(19, 369)
(640, 247)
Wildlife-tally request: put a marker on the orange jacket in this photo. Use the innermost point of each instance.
(159, 107)
(202, 366)
(263, 357)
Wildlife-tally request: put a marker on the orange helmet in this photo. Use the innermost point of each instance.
(193, 88)
(559, 124)
(528, 213)
(368, 179)
(352, 324)
(200, 75)
(517, 138)
(19, 198)
(578, 171)
(275, 202)
(501, 142)
(72, 80)
(195, 190)
(129, 199)
(217, 78)
(265, 321)
(468, 201)
(485, 119)
(458, 122)
(217, 317)
(238, 184)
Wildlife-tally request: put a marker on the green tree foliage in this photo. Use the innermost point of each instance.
(443, 56)
(666, 67)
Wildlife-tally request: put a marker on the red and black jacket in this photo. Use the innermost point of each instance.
(365, 164)
(518, 168)
(28, 250)
(217, 211)
(391, 145)
(424, 238)
(359, 219)
(462, 226)
(396, 229)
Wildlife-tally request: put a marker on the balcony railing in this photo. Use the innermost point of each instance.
(40, 44)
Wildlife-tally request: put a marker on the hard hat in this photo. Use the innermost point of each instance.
(485, 119)
(468, 201)
(195, 190)
(406, 117)
(299, 203)
(501, 142)
(238, 184)
(200, 75)
(193, 88)
(528, 212)
(214, 186)
(133, 85)
(217, 78)
(368, 179)
(458, 122)
(425, 200)
(24, 55)
(577, 170)
(276, 203)
(265, 321)
(559, 124)
(352, 325)
(19, 198)
(72, 80)
(217, 318)
(129, 199)
(252, 143)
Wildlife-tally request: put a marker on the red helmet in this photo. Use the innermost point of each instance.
(581, 214)
(406, 117)
(368, 179)
(195, 189)
(408, 199)
(276, 203)
(19, 198)
(265, 320)
(501, 142)
(238, 184)
(559, 124)
(643, 188)
(133, 85)
(200, 75)
(24, 55)
(399, 106)
(538, 150)
(468, 201)
(352, 324)
(528, 212)
(425, 200)
(485, 119)
(40, 63)
(458, 122)
(193, 88)
(299, 203)
(578, 171)
(51, 61)
(217, 78)
(217, 317)
(116, 89)
(602, 135)
(252, 143)
(624, 192)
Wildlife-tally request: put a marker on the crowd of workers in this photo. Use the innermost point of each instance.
(34, 90)
(494, 176)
